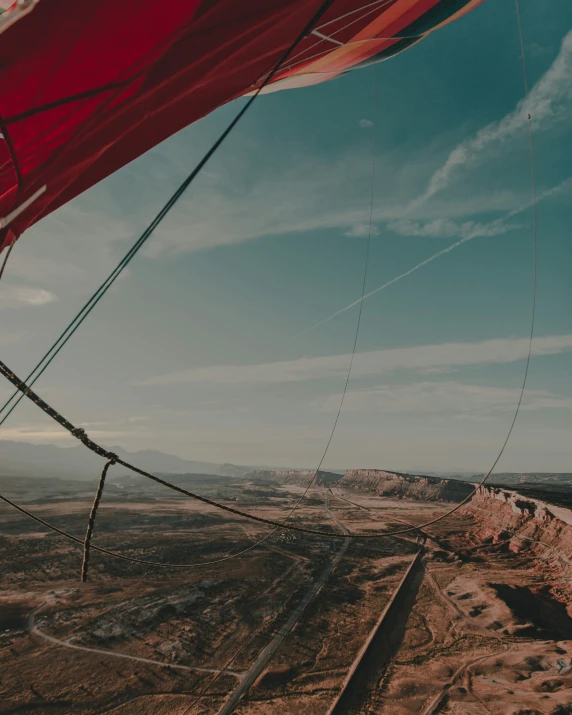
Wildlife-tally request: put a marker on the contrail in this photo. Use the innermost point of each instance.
(389, 283)
(483, 231)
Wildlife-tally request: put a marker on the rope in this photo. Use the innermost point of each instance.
(98, 449)
(92, 515)
(104, 287)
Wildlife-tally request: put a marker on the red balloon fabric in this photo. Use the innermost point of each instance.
(86, 87)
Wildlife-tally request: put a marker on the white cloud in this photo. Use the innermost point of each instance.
(371, 363)
(70, 251)
(301, 195)
(546, 99)
(445, 228)
(39, 434)
(15, 296)
(361, 230)
(535, 49)
(116, 420)
(296, 194)
(365, 123)
(452, 398)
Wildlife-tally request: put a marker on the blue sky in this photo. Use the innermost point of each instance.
(206, 347)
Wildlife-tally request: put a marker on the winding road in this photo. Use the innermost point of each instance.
(33, 628)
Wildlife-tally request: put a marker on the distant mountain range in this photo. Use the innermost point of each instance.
(21, 459)
(33, 460)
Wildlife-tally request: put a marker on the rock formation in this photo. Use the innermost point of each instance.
(405, 486)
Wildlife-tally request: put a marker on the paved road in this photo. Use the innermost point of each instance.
(33, 628)
(250, 675)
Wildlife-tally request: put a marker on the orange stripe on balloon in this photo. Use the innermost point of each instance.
(363, 46)
(347, 56)
(408, 16)
(464, 11)
(382, 22)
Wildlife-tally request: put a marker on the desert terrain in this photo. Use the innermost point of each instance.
(481, 625)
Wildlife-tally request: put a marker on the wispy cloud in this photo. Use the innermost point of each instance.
(445, 228)
(37, 433)
(361, 230)
(242, 201)
(468, 230)
(15, 296)
(365, 123)
(546, 100)
(301, 198)
(371, 363)
(41, 270)
(451, 398)
(295, 194)
(70, 251)
(299, 194)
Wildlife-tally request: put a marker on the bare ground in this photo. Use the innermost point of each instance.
(487, 633)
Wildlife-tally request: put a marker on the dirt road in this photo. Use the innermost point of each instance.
(33, 628)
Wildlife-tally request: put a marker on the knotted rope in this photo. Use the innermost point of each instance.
(91, 522)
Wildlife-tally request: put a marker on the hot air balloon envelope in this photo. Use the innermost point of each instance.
(89, 86)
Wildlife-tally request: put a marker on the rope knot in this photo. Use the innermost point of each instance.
(80, 434)
(112, 458)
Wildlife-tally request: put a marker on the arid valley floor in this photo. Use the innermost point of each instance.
(483, 626)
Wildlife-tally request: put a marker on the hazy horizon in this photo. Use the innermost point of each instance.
(158, 454)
